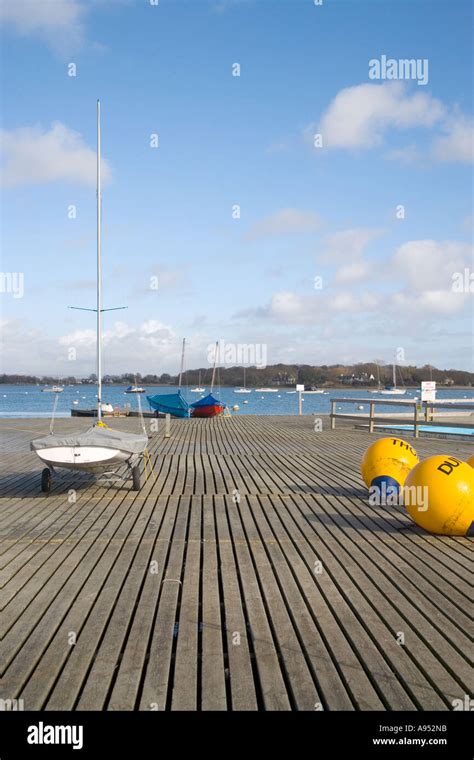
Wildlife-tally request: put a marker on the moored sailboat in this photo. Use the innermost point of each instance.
(171, 403)
(209, 406)
(198, 388)
(393, 390)
(244, 388)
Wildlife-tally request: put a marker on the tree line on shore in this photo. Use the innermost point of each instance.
(285, 375)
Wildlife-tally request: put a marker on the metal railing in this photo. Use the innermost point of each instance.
(423, 413)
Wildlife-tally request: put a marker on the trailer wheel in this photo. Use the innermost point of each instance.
(136, 478)
(46, 480)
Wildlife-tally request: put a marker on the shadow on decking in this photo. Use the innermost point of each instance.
(359, 493)
(27, 485)
(394, 522)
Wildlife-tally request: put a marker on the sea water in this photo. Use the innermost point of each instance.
(30, 401)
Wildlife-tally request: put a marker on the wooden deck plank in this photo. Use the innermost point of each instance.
(157, 681)
(185, 677)
(100, 614)
(274, 692)
(213, 679)
(126, 689)
(244, 687)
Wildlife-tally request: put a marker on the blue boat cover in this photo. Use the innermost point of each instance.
(170, 403)
(208, 400)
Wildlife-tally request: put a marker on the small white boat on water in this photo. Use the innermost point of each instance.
(135, 389)
(243, 389)
(266, 390)
(198, 388)
(393, 390)
(98, 450)
(53, 389)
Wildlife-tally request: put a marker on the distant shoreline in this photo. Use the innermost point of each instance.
(250, 387)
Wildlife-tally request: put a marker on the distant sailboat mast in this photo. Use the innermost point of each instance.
(182, 363)
(215, 362)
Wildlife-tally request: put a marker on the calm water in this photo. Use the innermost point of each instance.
(29, 401)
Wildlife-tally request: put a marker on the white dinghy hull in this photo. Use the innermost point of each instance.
(97, 450)
(94, 459)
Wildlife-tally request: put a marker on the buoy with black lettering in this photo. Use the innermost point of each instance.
(439, 495)
(385, 466)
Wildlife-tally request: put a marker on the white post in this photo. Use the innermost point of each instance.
(167, 425)
(371, 416)
(300, 403)
(99, 276)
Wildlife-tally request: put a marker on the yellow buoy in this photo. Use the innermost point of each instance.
(388, 458)
(439, 495)
(471, 461)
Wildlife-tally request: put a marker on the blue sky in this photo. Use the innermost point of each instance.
(305, 211)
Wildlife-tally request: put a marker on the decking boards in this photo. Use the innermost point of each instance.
(252, 574)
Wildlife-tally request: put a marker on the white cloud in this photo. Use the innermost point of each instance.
(289, 308)
(78, 338)
(284, 222)
(429, 265)
(347, 245)
(457, 144)
(148, 347)
(59, 23)
(32, 156)
(359, 116)
(441, 303)
(357, 270)
(418, 282)
(346, 249)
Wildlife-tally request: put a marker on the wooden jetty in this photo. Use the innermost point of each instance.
(251, 575)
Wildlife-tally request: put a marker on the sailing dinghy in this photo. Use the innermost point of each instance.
(171, 403)
(208, 406)
(98, 450)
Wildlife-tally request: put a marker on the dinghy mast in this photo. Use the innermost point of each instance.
(99, 274)
(99, 308)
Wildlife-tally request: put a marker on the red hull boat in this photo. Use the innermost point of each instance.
(207, 411)
(207, 407)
